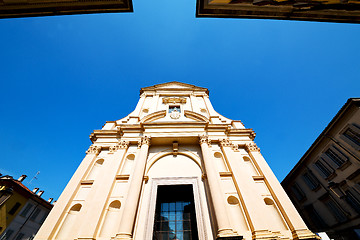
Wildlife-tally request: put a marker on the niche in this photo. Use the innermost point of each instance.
(66, 231)
(237, 214)
(250, 166)
(275, 220)
(129, 162)
(95, 169)
(220, 164)
(112, 216)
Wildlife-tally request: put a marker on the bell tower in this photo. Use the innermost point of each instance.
(174, 168)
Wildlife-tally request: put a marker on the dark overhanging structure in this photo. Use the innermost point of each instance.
(343, 11)
(34, 8)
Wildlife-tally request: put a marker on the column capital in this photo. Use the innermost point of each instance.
(119, 145)
(205, 139)
(252, 147)
(94, 149)
(227, 143)
(144, 140)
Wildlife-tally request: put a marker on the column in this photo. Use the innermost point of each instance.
(57, 213)
(132, 200)
(224, 228)
(101, 188)
(297, 226)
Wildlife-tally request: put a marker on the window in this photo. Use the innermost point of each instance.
(7, 234)
(174, 108)
(299, 194)
(311, 181)
(42, 219)
(175, 216)
(35, 214)
(335, 157)
(315, 217)
(20, 236)
(5, 195)
(352, 200)
(14, 208)
(353, 135)
(335, 210)
(26, 210)
(324, 170)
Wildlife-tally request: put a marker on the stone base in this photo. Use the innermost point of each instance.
(123, 236)
(304, 234)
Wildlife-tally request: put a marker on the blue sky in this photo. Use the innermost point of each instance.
(62, 77)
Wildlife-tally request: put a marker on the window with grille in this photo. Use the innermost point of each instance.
(175, 217)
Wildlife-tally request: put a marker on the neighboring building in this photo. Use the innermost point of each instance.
(21, 211)
(174, 169)
(325, 184)
(33, 8)
(304, 10)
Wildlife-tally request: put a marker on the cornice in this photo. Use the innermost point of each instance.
(241, 132)
(172, 124)
(184, 87)
(217, 127)
(104, 134)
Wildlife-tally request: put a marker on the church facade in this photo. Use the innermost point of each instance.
(174, 169)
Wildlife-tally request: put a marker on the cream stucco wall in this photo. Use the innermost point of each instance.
(112, 194)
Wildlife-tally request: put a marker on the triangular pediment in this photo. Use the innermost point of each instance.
(174, 86)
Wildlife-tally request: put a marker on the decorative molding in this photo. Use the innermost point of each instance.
(225, 174)
(119, 145)
(252, 147)
(154, 116)
(87, 182)
(122, 177)
(205, 139)
(169, 100)
(94, 149)
(175, 114)
(144, 140)
(195, 116)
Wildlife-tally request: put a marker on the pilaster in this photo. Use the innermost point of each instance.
(55, 216)
(243, 183)
(132, 200)
(225, 230)
(292, 217)
(101, 188)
